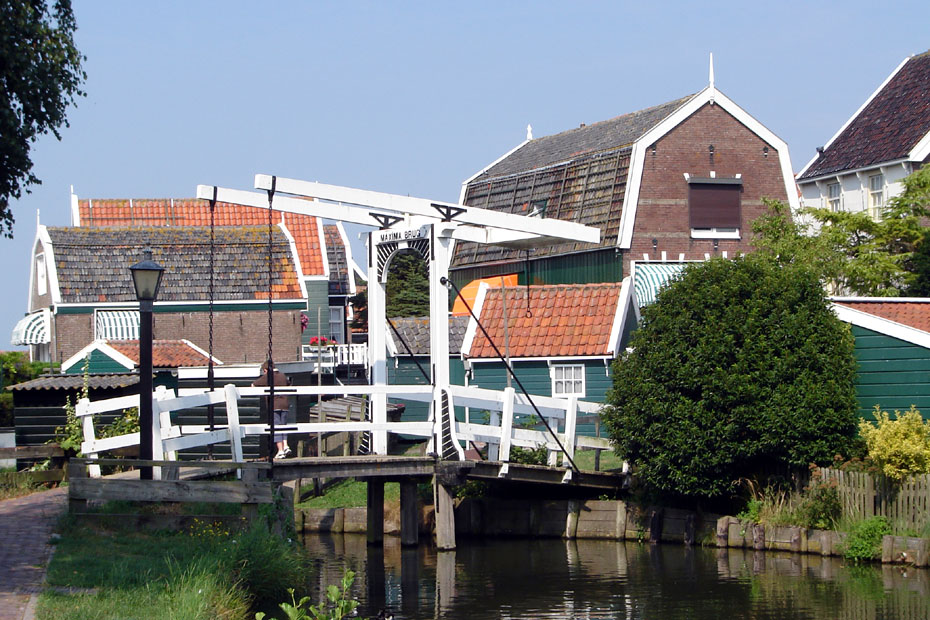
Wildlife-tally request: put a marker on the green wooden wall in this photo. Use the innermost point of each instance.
(892, 374)
(534, 375)
(317, 297)
(100, 362)
(407, 373)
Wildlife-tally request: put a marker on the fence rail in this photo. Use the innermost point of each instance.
(863, 495)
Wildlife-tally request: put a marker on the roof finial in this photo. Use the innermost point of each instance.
(529, 132)
(711, 79)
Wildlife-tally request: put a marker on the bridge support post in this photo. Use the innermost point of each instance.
(445, 517)
(409, 529)
(375, 526)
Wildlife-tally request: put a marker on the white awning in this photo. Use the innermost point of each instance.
(650, 278)
(32, 329)
(116, 325)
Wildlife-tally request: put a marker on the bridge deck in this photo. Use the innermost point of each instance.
(398, 467)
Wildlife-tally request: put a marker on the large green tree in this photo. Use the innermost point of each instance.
(739, 367)
(40, 76)
(407, 287)
(853, 252)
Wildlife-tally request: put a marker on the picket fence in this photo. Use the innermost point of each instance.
(863, 495)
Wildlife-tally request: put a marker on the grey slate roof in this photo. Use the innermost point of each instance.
(578, 175)
(93, 263)
(886, 129)
(575, 143)
(74, 382)
(339, 270)
(415, 331)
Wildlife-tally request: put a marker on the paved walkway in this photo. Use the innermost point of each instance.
(26, 524)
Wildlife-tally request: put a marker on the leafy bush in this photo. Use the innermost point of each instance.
(336, 606)
(900, 447)
(738, 368)
(264, 564)
(819, 506)
(864, 542)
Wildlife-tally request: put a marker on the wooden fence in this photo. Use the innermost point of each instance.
(862, 495)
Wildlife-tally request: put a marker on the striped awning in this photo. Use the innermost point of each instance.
(117, 325)
(32, 329)
(650, 278)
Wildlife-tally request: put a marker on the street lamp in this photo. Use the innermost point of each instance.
(146, 277)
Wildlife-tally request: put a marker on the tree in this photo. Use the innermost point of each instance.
(40, 76)
(852, 251)
(407, 286)
(15, 368)
(739, 367)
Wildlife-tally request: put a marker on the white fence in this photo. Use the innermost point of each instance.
(329, 357)
(500, 434)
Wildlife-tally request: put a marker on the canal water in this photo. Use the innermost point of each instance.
(552, 578)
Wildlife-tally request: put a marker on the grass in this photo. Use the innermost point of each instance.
(349, 493)
(584, 459)
(203, 572)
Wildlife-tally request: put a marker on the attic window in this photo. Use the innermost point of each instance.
(714, 207)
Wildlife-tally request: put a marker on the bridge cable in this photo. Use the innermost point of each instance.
(447, 282)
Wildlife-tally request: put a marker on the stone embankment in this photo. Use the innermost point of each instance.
(615, 520)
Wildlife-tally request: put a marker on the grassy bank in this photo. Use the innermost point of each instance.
(203, 572)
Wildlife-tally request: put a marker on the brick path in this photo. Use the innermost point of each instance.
(26, 523)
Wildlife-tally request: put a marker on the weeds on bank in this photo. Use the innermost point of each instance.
(817, 506)
(206, 571)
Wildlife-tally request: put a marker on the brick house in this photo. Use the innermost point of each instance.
(679, 181)
(314, 255)
(81, 290)
(887, 138)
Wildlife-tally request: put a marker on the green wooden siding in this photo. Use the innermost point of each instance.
(581, 268)
(892, 374)
(100, 362)
(317, 297)
(534, 375)
(407, 373)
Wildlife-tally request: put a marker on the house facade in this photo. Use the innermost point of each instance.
(861, 167)
(81, 290)
(679, 181)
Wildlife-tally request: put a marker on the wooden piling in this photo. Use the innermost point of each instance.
(445, 517)
(409, 534)
(375, 527)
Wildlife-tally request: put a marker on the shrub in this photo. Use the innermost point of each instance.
(739, 368)
(899, 447)
(864, 541)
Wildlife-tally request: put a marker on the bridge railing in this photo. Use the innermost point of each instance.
(329, 357)
(500, 434)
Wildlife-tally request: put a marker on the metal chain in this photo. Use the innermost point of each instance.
(210, 379)
(270, 371)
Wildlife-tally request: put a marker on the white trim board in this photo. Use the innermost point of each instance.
(709, 95)
(882, 325)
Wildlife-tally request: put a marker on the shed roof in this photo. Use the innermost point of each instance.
(416, 332)
(76, 382)
(159, 212)
(165, 353)
(92, 264)
(564, 320)
(578, 175)
(339, 269)
(888, 126)
(912, 313)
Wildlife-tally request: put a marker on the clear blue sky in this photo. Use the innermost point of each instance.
(414, 97)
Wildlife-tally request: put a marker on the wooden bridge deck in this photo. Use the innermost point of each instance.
(449, 472)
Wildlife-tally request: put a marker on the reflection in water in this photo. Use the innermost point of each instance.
(551, 578)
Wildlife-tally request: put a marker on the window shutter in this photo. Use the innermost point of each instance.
(714, 205)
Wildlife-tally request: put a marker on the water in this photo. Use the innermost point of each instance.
(551, 578)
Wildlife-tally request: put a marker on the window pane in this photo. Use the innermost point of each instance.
(558, 388)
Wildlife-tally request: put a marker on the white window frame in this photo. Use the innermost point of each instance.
(876, 194)
(834, 201)
(715, 233)
(559, 380)
(340, 324)
(41, 275)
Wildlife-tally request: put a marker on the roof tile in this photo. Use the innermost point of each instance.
(914, 314)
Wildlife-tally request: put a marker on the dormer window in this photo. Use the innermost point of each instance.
(714, 207)
(41, 275)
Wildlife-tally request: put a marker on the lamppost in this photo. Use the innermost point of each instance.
(146, 277)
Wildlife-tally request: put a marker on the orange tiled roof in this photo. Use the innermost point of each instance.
(566, 320)
(194, 212)
(914, 314)
(165, 353)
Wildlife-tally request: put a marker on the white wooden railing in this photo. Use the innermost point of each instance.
(500, 433)
(329, 357)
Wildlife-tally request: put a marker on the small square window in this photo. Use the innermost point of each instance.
(568, 380)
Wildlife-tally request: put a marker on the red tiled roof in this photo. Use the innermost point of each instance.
(914, 314)
(165, 353)
(887, 128)
(565, 320)
(194, 212)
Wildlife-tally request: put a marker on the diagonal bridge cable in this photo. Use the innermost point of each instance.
(447, 282)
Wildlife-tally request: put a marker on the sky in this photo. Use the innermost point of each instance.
(414, 97)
